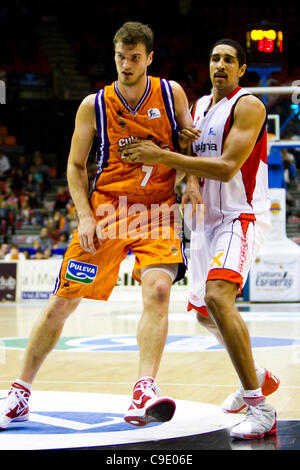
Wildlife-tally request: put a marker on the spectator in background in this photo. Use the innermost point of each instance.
(19, 173)
(63, 240)
(11, 205)
(41, 172)
(26, 254)
(22, 165)
(11, 198)
(60, 221)
(53, 231)
(72, 217)
(3, 250)
(44, 239)
(3, 186)
(47, 253)
(71, 207)
(290, 170)
(39, 164)
(39, 254)
(31, 189)
(17, 181)
(14, 254)
(5, 166)
(4, 219)
(26, 212)
(36, 244)
(72, 222)
(62, 198)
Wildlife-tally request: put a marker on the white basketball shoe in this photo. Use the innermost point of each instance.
(260, 422)
(15, 406)
(235, 403)
(147, 406)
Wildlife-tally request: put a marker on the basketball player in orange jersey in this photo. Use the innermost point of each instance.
(135, 106)
(231, 156)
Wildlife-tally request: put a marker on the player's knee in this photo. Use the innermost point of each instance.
(158, 292)
(213, 299)
(59, 308)
(161, 291)
(220, 298)
(204, 321)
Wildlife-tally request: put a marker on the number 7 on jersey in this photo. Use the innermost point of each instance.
(148, 171)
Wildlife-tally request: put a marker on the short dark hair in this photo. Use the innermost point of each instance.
(133, 32)
(240, 51)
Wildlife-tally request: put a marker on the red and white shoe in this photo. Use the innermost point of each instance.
(260, 422)
(147, 406)
(268, 382)
(15, 406)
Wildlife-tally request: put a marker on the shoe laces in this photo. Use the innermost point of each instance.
(147, 387)
(17, 397)
(253, 413)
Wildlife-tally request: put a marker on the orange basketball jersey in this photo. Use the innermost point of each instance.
(118, 124)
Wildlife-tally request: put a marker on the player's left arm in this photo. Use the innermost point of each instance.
(185, 122)
(184, 119)
(182, 111)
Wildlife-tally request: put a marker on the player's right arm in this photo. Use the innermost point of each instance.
(82, 140)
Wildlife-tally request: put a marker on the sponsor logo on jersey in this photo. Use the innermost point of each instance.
(153, 113)
(81, 272)
(174, 250)
(130, 140)
(217, 260)
(126, 141)
(204, 147)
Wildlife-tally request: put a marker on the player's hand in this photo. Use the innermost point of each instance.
(193, 210)
(86, 233)
(187, 136)
(193, 198)
(141, 151)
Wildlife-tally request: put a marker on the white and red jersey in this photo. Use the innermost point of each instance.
(247, 191)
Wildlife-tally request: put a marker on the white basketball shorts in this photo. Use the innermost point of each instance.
(224, 254)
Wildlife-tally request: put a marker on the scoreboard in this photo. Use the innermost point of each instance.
(264, 43)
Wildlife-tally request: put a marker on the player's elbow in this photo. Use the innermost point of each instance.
(227, 172)
(228, 176)
(74, 165)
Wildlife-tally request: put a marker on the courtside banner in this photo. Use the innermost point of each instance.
(8, 280)
(36, 280)
(275, 275)
(275, 278)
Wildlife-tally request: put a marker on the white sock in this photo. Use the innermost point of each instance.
(24, 384)
(253, 393)
(253, 397)
(146, 378)
(259, 370)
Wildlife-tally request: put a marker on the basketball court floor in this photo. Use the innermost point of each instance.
(83, 389)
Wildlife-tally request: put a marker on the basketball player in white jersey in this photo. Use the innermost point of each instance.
(229, 140)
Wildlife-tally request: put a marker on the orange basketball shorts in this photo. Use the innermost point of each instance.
(152, 232)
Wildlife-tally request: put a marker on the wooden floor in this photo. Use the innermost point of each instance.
(188, 371)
